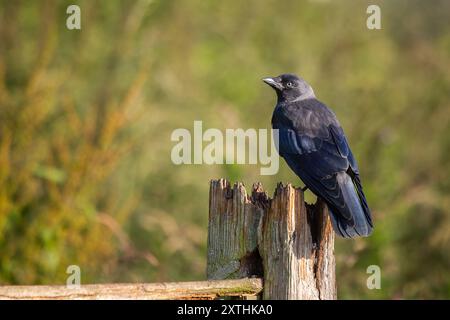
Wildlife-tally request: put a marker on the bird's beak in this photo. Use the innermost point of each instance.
(273, 83)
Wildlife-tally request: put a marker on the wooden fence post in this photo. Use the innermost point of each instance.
(232, 232)
(283, 240)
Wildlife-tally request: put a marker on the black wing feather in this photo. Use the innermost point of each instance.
(317, 154)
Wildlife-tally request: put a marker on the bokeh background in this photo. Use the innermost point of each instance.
(86, 117)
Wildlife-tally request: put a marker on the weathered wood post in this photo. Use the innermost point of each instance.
(283, 240)
(233, 231)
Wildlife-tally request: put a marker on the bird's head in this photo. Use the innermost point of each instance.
(290, 87)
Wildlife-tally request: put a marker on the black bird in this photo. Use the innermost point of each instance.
(314, 145)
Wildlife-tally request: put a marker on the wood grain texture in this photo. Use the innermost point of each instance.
(232, 232)
(289, 242)
(153, 291)
(296, 245)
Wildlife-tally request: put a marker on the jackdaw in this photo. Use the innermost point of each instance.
(314, 145)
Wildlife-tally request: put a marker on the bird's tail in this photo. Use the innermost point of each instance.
(353, 220)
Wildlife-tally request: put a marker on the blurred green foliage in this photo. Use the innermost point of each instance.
(86, 117)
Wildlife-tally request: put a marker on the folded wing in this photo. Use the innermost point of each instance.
(327, 167)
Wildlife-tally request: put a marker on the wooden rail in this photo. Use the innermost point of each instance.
(280, 248)
(205, 290)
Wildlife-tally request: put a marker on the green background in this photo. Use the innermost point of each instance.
(86, 117)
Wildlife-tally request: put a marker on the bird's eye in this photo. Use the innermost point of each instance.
(289, 84)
